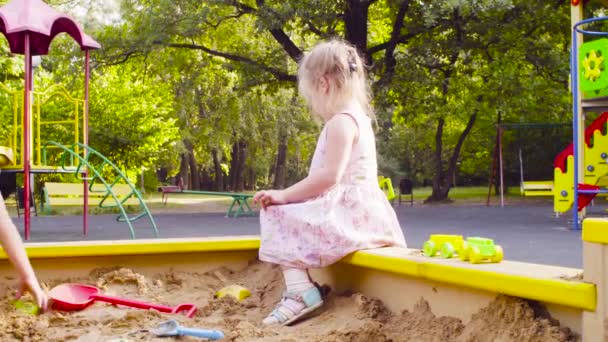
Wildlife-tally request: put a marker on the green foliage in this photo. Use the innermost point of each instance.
(194, 78)
(130, 119)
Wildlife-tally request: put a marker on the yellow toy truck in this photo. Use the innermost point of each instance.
(477, 249)
(446, 245)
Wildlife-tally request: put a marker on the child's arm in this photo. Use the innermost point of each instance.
(13, 246)
(341, 133)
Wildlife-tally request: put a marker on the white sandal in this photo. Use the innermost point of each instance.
(284, 315)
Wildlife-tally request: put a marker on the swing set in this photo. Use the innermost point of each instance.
(528, 188)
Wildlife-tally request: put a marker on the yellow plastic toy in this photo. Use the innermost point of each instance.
(236, 291)
(26, 307)
(387, 186)
(477, 250)
(446, 245)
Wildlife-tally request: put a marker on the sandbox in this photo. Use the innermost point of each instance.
(378, 295)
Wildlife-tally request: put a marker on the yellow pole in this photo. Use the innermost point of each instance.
(38, 118)
(76, 130)
(16, 151)
(576, 15)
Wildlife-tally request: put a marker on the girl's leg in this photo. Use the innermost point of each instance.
(296, 279)
(301, 297)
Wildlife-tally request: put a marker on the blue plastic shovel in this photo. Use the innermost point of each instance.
(172, 328)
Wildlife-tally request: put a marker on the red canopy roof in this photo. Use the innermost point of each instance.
(42, 22)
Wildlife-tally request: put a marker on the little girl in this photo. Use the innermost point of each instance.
(339, 208)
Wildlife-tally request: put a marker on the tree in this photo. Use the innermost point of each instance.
(438, 66)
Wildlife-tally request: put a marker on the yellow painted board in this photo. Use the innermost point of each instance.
(567, 293)
(77, 189)
(538, 185)
(492, 277)
(72, 201)
(595, 230)
(138, 247)
(44, 168)
(529, 193)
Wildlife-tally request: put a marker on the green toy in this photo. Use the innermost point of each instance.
(26, 307)
(477, 249)
(446, 245)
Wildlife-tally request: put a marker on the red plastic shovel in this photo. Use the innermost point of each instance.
(76, 297)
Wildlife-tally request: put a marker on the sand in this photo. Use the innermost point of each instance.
(345, 317)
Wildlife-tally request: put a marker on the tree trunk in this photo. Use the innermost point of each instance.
(217, 168)
(355, 20)
(252, 180)
(195, 181)
(183, 170)
(206, 182)
(280, 165)
(443, 181)
(438, 193)
(240, 171)
(234, 162)
(456, 152)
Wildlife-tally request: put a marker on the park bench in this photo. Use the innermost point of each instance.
(537, 188)
(239, 200)
(72, 194)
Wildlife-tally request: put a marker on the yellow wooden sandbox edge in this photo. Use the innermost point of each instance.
(573, 294)
(595, 230)
(139, 247)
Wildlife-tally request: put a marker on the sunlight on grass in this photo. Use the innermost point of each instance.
(179, 202)
(184, 199)
(471, 193)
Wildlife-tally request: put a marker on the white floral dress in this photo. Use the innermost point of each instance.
(352, 215)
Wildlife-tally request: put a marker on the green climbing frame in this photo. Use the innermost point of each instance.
(84, 155)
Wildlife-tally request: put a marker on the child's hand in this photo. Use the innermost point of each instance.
(32, 286)
(269, 197)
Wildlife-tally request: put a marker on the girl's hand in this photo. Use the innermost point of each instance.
(32, 286)
(269, 197)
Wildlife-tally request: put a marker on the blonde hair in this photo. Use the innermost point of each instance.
(344, 71)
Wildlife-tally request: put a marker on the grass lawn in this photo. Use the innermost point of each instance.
(468, 192)
(196, 203)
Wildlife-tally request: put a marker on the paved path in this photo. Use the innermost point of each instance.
(527, 233)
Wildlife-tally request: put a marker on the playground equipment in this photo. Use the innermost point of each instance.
(98, 166)
(477, 249)
(447, 245)
(387, 186)
(585, 159)
(30, 26)
(66, 127)
(6, 156)
(238, 207)
(595, 172)
(528, 188)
